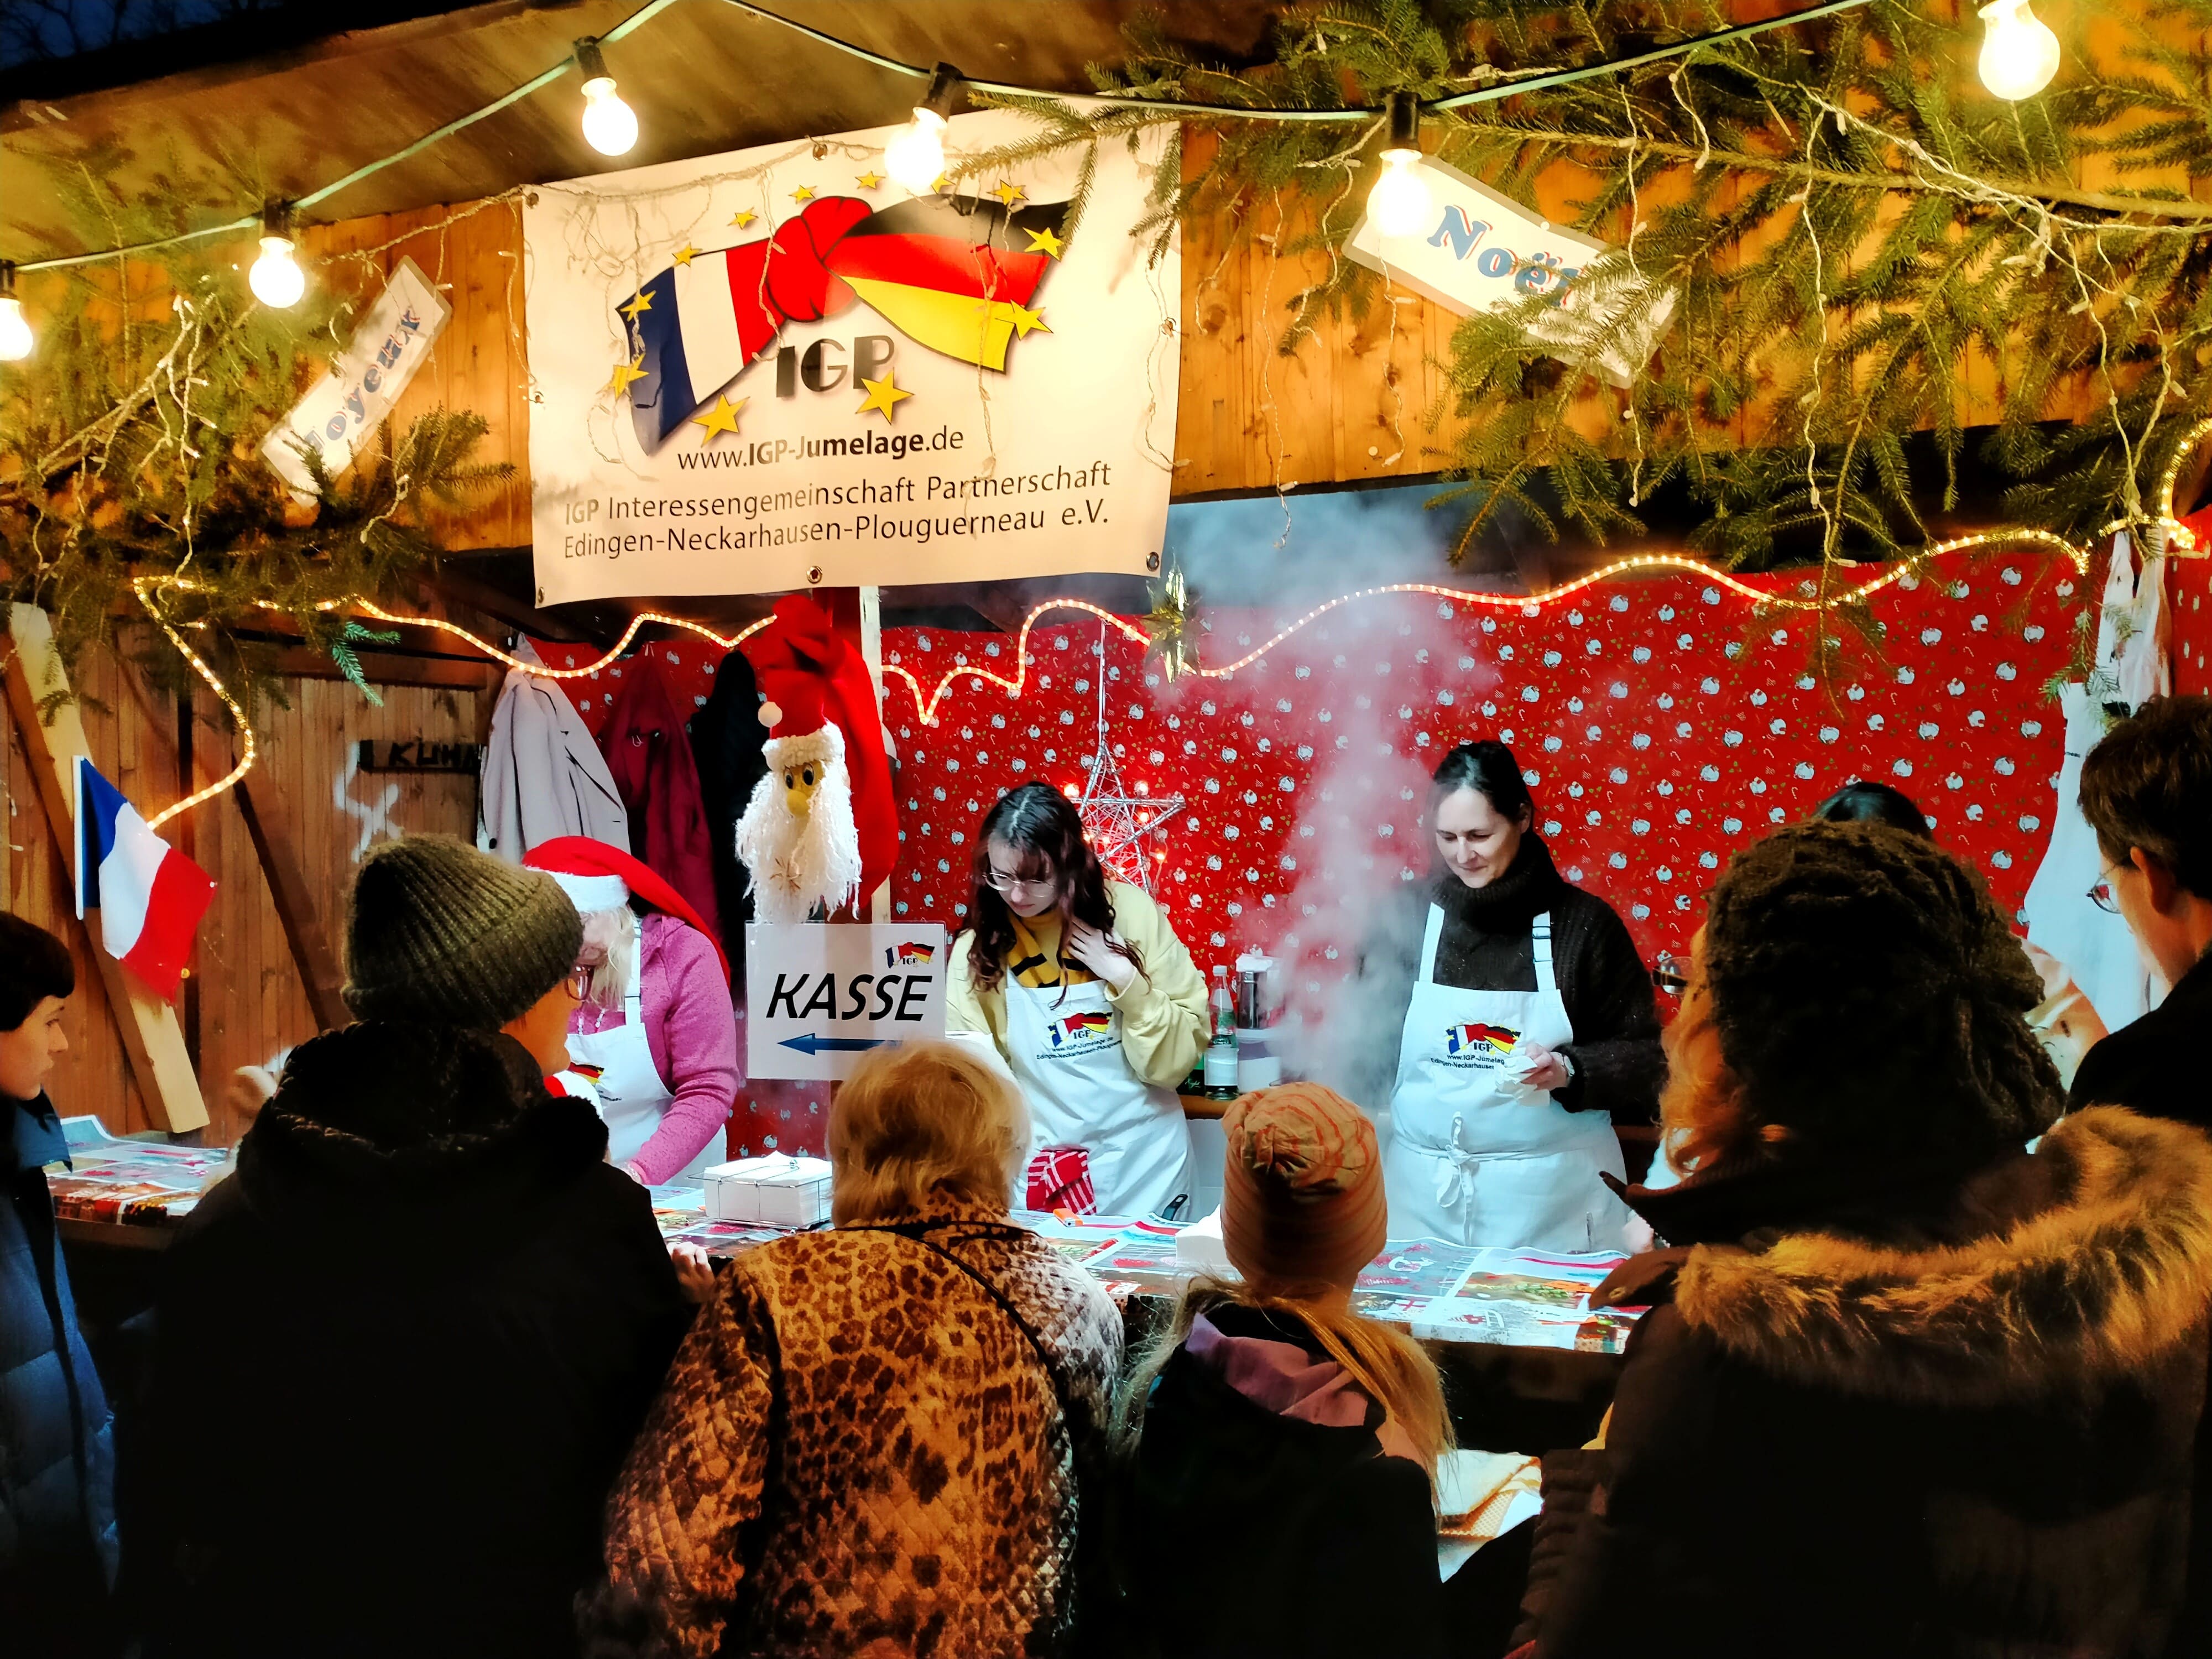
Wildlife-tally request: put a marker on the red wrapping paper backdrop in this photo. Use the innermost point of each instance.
(1679, 753)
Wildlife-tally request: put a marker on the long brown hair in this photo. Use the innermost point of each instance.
(1392, 1368)
(1037, 822)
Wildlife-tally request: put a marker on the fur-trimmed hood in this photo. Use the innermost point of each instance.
(2113, 1273)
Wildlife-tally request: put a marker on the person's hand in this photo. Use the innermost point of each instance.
(1095, 951)
(633, 1173)
(1540, 1067)
(694, 1272)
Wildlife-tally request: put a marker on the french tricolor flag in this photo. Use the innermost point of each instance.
(150, 896)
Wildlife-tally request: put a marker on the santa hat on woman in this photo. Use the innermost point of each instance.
(598, 876)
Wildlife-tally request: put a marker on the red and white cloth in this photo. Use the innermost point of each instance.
(1058, 1178)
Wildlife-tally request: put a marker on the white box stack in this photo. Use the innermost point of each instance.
(777, 1191)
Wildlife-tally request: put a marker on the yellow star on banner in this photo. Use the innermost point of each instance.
(625, 372)
(803, 193)
(938, 183)
(744, 217)
(1046, 243)
(869, 180)
(683, 255)
(883, 395)
(1008, 192)
(722, 417)
(642, 302)
(1024, 319)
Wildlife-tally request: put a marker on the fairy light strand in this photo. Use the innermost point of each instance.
(927, 701)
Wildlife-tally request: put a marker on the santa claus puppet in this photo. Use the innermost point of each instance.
(820, 830)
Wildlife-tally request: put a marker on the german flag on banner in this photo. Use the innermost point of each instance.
(956, 274)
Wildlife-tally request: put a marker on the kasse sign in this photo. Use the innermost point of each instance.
(818, 995)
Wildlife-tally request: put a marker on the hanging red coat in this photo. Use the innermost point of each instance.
(803, 640)
(649, 755)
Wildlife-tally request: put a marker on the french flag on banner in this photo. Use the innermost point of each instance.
(150, 897)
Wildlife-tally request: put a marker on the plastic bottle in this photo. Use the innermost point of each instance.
(1221, 1052)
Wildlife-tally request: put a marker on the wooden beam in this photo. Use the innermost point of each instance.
(151, 1037)
(320, 973)
(395, 668)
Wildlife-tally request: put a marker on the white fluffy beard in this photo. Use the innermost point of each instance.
(796, 863)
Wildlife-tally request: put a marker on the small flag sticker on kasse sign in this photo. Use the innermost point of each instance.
(909, 955)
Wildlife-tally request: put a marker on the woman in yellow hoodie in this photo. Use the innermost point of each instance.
(1086, 991)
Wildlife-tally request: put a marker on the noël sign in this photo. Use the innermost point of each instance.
(819, 995)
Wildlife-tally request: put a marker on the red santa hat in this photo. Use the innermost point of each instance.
(812, 676)
(598, 876)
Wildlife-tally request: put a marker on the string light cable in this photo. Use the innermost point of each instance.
(652, 8)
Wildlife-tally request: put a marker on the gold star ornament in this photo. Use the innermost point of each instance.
(869, 180)
(642, 302)
(743, 217)
(803, 193)
(1024, 319)
(1047, 243)
(627, 372)
(1009, 192)
(1168, 625)
(883, 397)
(722, 417)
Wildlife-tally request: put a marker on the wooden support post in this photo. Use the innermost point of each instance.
(320, 975)
(152, 1038)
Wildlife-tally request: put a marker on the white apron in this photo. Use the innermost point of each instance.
(1476, 1156)
(632, 1096)
(1066, 1052)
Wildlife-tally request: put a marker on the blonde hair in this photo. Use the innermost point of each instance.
(920, 1124)
(1392, 1369)
(610, 981)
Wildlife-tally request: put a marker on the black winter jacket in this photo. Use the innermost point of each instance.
(1899, 1411)
(1487, 945)
(401, 1355)
(1249, 1533)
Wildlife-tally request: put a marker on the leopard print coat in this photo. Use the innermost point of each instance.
(858, 1453)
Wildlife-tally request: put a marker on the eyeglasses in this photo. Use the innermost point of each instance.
(998, 881)
(579, 983)
(1667, 973)
(2104, 898)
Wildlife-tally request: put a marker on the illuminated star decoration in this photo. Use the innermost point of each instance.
(803, 193)
(1048, 243)
(1009, 194)
(1168, 626)
(642, 302)
(684, 255)
(626, 372)
(868, 180)
(1115, 823)
(722, 417)
(883, 396)
(743, 217)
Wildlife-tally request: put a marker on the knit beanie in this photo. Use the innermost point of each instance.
(1869, 997)
(440, 933)
(1302, 1192)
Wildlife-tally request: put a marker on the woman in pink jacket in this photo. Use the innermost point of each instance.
(656, 1034)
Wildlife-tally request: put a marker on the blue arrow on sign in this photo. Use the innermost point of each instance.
(810, 1044)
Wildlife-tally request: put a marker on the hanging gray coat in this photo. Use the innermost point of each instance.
(543, 776)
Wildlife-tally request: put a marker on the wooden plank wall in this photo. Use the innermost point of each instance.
(244, 1002)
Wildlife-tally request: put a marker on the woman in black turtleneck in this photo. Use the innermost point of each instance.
(1525, 1028)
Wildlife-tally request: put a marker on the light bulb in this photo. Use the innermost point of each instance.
(14, 331)
(276, 279)
(2019, 54)
(1399, 203)
(609, 124)
(915, 158)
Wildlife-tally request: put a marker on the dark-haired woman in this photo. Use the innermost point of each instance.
(1527, 1028)
(1092, 1001)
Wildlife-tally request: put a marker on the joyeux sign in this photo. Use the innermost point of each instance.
(392, 341)
(1484, 251)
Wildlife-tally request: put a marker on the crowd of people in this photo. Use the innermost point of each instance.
(1921, 1372)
